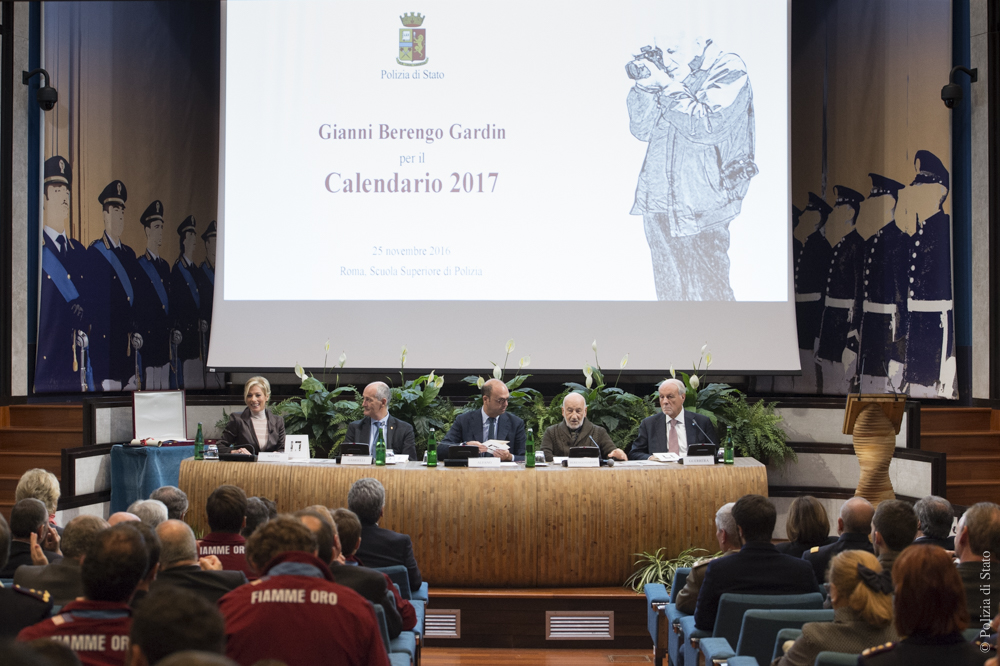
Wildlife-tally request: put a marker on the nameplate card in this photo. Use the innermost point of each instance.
(489, 461)
(297, 447)
(699, 460)
(583, 462)
(355, 460)
(272, 456)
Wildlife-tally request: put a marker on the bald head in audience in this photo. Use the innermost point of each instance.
(121, 517)
(178, 547)
(151, 512)
(856, 516)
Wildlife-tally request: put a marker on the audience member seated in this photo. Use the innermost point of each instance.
(729, 543)
(806, 527)
(61, 579)
(976, 546)
(861, 595)
(227, 515)
(151, 512)
(380, 547)
(929, 610)
(175, 499)
(256, 428)
(757, 569)
(196, 658)
(56, 653)
(349, 533)
(43, 486)
(368, 583)
(181, 567)
(153, 559)
(97, 628)
(398, 434)
(29, 518)
(296, 613)
(853, 526)
(121, 517)
(171, 620)
(894, 527)
(934, 519)
(20, 654)
(259, 511)
(19, 607)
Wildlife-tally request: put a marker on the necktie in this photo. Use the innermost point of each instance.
(61, 240)
(376, 426)
(493, 429)
(672, 444)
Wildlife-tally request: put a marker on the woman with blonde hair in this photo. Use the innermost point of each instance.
(256, 428)
(861, 596)
(43, 486)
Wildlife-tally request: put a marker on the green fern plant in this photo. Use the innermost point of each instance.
(756, 430)
(657, 568)
(419, 403)
(322, 413)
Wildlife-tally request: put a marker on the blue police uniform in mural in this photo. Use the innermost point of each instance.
(810, 277)
(186, 304)
(152, 307)
(930, 322)
(62, 359)
(206, 280)
(841, 324)
(883, 322)
(114, 270)
(796, 243)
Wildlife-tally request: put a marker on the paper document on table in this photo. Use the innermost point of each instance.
(665, 457)
(497, 445)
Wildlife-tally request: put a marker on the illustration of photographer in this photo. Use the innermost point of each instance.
(694, 106)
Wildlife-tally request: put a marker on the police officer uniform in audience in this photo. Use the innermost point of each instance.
(186, 306)
(950, 650)
(819, 556)
(20, 608)
(62, 361)
(810, 287)
(153, 303)
(883, 322)
(114, 269)
(839, 335)
(930, 362)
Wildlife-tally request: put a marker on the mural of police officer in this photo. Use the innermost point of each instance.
(810, 286)
(186, 310)
(62, 359)
(113, 269)
(153, 303)
(206, 287)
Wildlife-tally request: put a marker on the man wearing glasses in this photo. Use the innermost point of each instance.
(490, 422)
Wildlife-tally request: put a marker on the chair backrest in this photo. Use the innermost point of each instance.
(680, 577)
(971, 634)
(836, 659)
(382, 625)
(400, 576)
(761, 627)
(729, 619)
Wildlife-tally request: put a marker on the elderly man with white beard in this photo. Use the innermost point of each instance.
(576, 430)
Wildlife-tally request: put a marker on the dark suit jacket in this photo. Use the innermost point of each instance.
(211, 585)
(61, 579)
(372, 586)
(757, 569)
(653, 434)
(819, 557)
(384, 548)
(398, 435)
(796, 548)
(20, 608)
(239, 432)
(948, 543)
(20, 554)
(468, 427)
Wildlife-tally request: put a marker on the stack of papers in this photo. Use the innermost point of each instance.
(665, 457)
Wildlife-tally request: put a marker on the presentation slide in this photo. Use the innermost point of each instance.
(537, 166)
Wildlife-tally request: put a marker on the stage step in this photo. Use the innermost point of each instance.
(39, 439)
(967, 493)
(955, 419)
(973, 468)
(976, 442)
(18, 462)
(47, 416)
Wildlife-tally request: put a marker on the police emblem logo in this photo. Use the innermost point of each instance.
(62, 167)
(157, 206)
(412, 41)
(119, 189)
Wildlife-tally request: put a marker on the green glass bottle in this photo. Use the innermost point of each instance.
(380, 450)
(199, 445)
(728, 451)
(432, 450)
(529, 450)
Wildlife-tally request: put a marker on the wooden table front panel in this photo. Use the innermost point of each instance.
(511, 527)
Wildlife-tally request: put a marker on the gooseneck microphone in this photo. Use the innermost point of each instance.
(710, 440)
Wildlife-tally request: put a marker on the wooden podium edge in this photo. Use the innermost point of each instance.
(894, 407)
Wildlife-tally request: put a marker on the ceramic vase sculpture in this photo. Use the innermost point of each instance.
(874, 444)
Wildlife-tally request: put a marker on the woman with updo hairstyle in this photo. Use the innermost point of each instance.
(861, 596)
(931, 613)
(256, 428)
(807, 526)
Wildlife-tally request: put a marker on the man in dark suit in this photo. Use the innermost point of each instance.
(61, 579)
(30, 517)
(380, 547)
(673, 432)
(185, 310)
(853, 526)
(757, 569)
(490, 422)
(19, 607)
(366, 582)
(375, 405)
(977, 542)
(181, 567)
(935, 517)
(894, 527)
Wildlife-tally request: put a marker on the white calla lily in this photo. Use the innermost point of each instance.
(589, 382)
(524, 362)
(497, 372)
(704, 347)
(708, 359)
(326, 347)
(593, 345)
(439, 382)
(588, 371)
(673, 374)
(299, 372)
(510, 345)
(430, 378)
(479, 382)
(624, 362)
(342, 360)
(402, 357)
(694, 381)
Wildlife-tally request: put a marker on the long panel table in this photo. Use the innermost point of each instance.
(510, 526)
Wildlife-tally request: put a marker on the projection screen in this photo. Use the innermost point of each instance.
(447, 176)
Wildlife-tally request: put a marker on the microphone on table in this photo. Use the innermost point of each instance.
(703, 432)
(600, 454)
